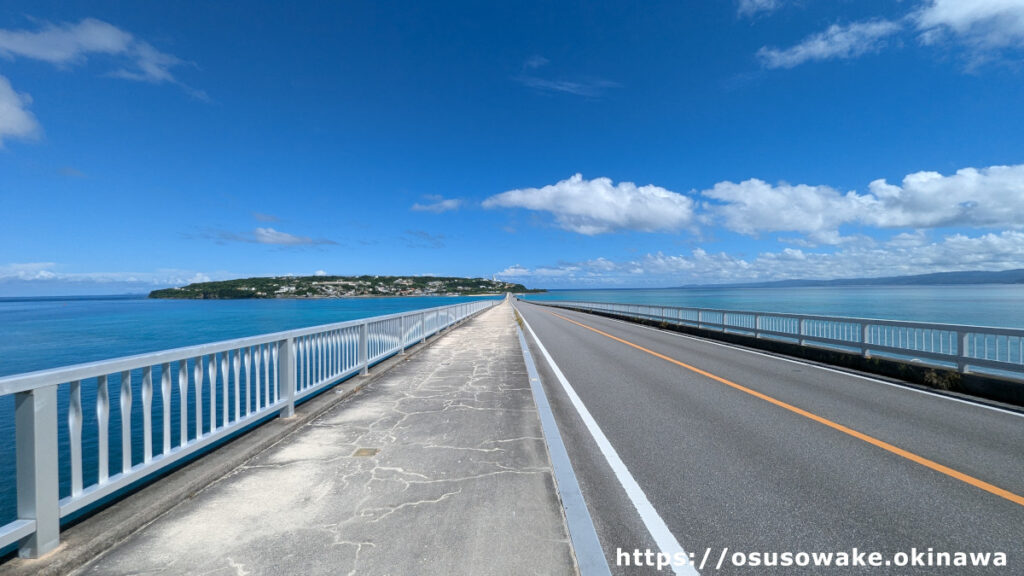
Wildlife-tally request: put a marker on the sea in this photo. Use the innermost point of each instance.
(42, 333)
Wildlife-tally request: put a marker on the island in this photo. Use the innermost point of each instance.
(339, 287)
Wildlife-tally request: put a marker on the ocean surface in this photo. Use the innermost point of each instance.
(41, 333)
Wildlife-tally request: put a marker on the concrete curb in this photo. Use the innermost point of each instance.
(586, 545)
(93, 536)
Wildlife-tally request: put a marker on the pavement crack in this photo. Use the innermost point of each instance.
(238, 566)
(392, 509)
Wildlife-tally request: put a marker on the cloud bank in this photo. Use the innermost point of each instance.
(51, 272)
(990, 197)
(986, 197)
(903, 254)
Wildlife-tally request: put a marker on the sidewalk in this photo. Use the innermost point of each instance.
(437, 467)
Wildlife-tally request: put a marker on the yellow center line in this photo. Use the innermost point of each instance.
(834, 425)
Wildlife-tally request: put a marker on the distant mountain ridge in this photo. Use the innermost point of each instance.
(1015, 276)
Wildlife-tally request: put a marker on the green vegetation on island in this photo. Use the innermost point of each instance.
(339, 287)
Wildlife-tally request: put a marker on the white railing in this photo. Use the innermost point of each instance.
(198, 395)
(955, 345)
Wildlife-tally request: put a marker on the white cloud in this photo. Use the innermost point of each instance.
(753, 7)
(991, 196)
(72, 43)
(27, 271)
(982, 26)
(259, 236)
(754, 206)
(587, 87)
(981, 23)
(514, 270)
(597, 206)
(909, 239)
(987, 197)
(901, 255)
(271, 236)
(437, 204)
(842, 42)
(15, 119)
(151, 65)
(66, 43)
(319, 273)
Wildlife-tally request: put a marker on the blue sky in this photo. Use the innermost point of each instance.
(553, 144)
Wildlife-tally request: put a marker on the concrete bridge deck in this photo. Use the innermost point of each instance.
(438, 466)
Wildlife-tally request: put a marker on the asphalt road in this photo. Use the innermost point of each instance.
(764, 454)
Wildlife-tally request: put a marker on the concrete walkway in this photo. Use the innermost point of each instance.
(437, 467)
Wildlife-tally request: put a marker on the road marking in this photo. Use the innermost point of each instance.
(820, 367)
(992, 489)
(662, 536)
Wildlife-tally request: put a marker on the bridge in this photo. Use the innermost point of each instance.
(442, 441)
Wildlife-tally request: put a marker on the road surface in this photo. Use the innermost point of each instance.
(741, 452)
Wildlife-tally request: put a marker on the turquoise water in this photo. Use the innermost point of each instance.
(982, 305)
(42, 333)
(36, 334)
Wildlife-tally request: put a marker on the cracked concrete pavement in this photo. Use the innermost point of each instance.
(461, 482)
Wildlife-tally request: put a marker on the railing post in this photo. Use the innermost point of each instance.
(35, 424)
(401, 336)
(757, 325)
(961, 352)
(865, 338)
(286, 375)
(803, 342)
(423, 327)
(364, 331)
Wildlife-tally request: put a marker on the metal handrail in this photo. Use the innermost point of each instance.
(964, 347)
(199, 395)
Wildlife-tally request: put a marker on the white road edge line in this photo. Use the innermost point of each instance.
(662, 536)
(587, 546)
(810, 365)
